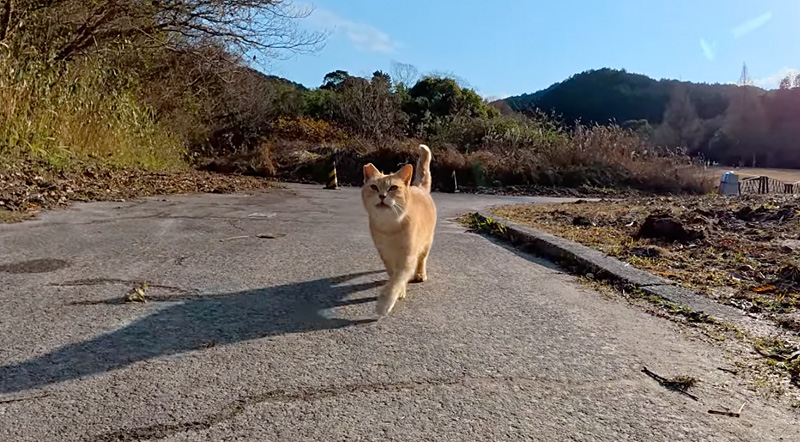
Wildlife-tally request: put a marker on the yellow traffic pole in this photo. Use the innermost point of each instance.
(333, 183)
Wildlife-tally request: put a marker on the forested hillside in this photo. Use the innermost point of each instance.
(730, 124)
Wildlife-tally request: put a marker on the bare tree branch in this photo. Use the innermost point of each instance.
(266, 27)
(404, 73)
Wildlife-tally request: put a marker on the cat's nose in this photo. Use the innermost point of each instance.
(381, 197)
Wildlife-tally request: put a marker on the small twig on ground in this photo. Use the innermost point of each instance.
(260, 235)
(728, 370)
(724, 413)
(678, 385)
(270, 235)
(727, 412)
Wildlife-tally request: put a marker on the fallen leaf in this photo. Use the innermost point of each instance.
(137, 294)
(764, 289)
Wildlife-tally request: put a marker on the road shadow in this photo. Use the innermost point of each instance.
(195, 324)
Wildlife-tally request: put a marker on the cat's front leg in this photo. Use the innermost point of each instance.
(395, 289)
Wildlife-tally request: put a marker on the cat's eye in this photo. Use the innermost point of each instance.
(374, 187)
(392, 188)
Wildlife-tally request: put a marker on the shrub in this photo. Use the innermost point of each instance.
(307, 129)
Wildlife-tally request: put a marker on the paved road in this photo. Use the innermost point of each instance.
(270, 339)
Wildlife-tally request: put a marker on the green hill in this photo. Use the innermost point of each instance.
(610, 95)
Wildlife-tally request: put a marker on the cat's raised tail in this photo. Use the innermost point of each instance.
(423, 169)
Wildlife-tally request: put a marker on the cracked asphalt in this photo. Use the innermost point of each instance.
(259, 327)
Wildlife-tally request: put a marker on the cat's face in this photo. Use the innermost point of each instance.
(386, 195)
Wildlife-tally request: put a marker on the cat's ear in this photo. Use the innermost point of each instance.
(405, 173)
(370, 172)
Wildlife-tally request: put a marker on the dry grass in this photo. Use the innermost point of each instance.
(10, 216)
(65, 116)
(747, 261)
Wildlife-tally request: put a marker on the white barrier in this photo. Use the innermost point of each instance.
(729, 184)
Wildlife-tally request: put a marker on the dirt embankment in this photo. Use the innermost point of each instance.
(26, 189)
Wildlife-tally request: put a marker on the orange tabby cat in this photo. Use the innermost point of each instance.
(402, 218)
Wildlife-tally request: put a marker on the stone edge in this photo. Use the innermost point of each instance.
(588, 260)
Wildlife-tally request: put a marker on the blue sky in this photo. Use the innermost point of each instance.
(509, 47)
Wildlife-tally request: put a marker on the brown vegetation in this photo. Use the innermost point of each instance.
(26, 188)
(165, 87)
(739, 251)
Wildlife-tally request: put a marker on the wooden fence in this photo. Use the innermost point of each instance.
(764, 184)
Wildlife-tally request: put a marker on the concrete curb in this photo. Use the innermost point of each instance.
(588, 260)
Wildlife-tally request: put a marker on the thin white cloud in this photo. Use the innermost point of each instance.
(774, 80)
(751, 25)
(364, 37)
(708, 48)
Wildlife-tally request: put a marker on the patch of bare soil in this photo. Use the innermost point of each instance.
(742, 251)
(26, 188)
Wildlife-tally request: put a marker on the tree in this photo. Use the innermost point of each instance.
(434, 98)
(797, 81)
(334, 80)
(382, 78)
(318, 103)
(404, 74)
(640, 127)
(744, 130)
(680, 126)
(786, 83)
(368, 108)
(63, 29)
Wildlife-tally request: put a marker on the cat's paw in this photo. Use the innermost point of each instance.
(385, 305)
(419, 277)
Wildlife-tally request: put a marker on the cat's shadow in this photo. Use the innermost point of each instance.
(195, 324)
